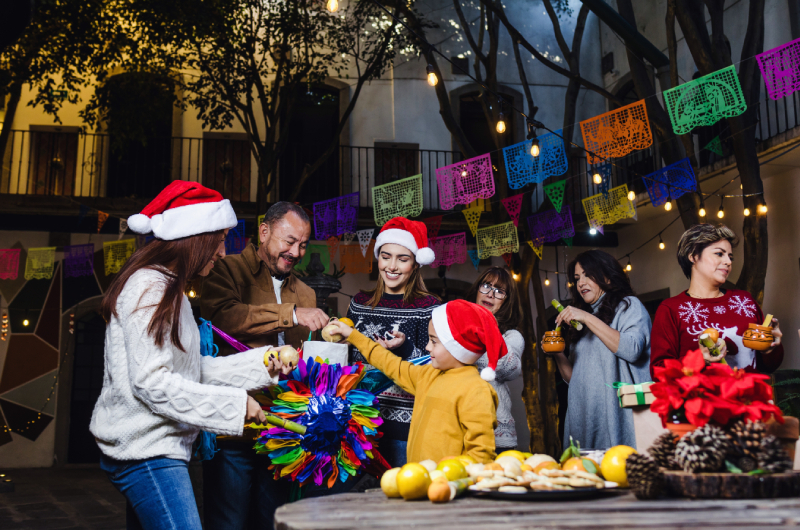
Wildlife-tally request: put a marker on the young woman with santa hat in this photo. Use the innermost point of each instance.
(158, 391)
(395, 314)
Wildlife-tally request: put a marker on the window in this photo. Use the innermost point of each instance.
(226, 164)
(395, 161)
(54, 153)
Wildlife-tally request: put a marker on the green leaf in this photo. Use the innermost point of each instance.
(758, 472)
(566, 455)
(589, 466)
(731, 467)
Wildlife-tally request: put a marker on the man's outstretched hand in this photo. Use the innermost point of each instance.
(311, 317)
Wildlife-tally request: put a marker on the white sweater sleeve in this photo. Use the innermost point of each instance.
(242, 370)
(216, 409)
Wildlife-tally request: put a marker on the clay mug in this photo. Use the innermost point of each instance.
(758, 337)
(553, 342)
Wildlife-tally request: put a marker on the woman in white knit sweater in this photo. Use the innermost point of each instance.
(158, 391)
(496, 291)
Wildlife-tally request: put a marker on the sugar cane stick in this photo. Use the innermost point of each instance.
(280, 422)
(767, 320)
(574, 323)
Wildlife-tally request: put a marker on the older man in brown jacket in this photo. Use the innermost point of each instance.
(256, 299)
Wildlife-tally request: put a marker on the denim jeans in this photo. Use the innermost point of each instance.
(240, 493)
(394, 451)
(158, 490)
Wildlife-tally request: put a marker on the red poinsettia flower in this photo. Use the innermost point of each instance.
(701, 407)
(668, 397)
(746, 385)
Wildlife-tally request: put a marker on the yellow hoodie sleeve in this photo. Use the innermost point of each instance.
(406, 375)
(478, 426)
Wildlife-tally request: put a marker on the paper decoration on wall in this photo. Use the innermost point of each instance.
(550, 226)
(538, 250)
(617, 133)
(780, 68)
(123, 227)
(523, 168)
(497, 240)
(568, 241)
(670, 182)
(9, 263)
(463, 182)
(348, 237)
(352, 261)
(597, 226)
(449, 249)
(79, 260)
(39, 264)
(473, 256)
(335, 216)
(508, 257)
(604, 170)
(101, 220)
(473, 216)
(433, 224)
(555, 192)
(401, 198)
(513, 207)
(333, 246)
(236, 240)
(364, 237)
(116, 253)
(608, 210)
(705, 101)
(715, 146)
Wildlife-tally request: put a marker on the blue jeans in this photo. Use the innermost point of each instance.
(240, 493)
(394, 451)
(158, 490)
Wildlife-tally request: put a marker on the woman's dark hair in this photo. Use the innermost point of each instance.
(695, 240)
(185, 258)
(510, 313)
(607, 273)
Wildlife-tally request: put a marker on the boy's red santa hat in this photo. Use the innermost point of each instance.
(467, 331)
(184, 209)
(407, 233)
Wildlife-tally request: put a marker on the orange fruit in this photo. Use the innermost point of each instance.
(413, 481)
(453, 469)
(713, 334)
(613, 464)
(576, 464)
(546, 465)
(346, 321)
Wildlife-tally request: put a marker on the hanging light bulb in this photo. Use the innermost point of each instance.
(668, 206)
(535, 147)
(702, 211)
(721, 212)
(746, 212)
(333, 6)
(593, 231)
(501, 123)
(26, 322)
(192, 293)
(432, 79)
(597, 178)
(546, 279)
(464, 172)
(628, 267)
(661, 244)
(631, 195)
(762, 208)
(515, 276)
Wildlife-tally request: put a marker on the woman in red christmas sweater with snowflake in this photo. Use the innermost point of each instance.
(705, 254)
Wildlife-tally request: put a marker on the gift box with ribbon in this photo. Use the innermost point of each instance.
(634, 395)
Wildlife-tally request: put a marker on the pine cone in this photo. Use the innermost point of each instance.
(663, 451)
(746, 438)
(702, 450)
(746, 463)
(772, 456)
(644, 476)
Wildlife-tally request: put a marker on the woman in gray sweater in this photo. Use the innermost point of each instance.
(496, 291)
(614, 345)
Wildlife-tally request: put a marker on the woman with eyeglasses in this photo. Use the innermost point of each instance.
(395, 314)
(613, 346)
(496, 291)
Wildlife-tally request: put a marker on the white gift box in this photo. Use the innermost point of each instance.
(335, 353)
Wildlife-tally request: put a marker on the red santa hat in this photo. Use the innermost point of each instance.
(184, 209)
(468, 331)
(407, 233)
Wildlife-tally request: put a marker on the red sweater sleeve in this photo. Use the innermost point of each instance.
(665, 337)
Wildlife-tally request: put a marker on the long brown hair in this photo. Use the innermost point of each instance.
(184, 258)
(509, 315)
(414, 289)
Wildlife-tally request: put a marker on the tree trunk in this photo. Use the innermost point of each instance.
(15, 93)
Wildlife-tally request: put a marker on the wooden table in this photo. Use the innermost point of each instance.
(614, 510)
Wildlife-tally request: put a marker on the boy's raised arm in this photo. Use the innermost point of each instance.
(406, 375)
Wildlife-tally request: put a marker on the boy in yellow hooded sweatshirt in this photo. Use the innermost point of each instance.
(454, 407)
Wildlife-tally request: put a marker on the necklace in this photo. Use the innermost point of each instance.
(721, 293)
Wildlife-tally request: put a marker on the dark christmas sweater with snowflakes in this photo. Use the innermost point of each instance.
(392, 314)
(680, 320)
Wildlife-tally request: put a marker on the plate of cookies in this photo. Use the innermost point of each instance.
(547, 484)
